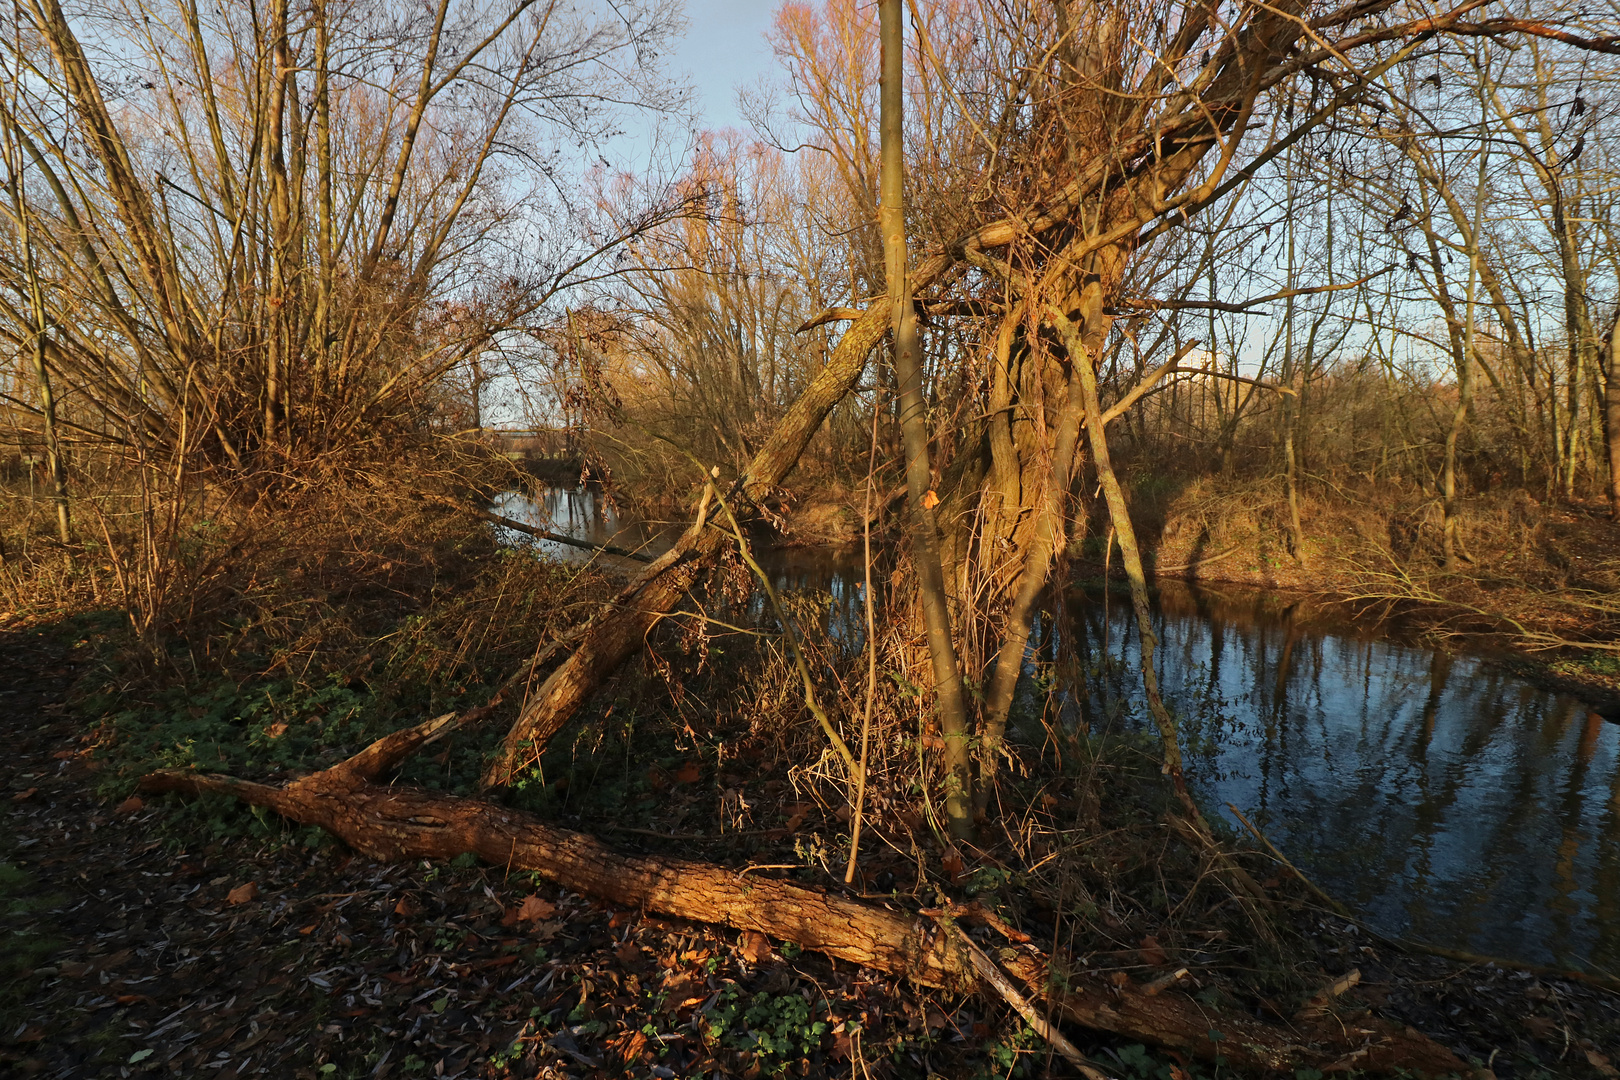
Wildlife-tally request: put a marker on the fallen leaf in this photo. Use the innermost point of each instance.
(756, 948)
(405, 908)
(64, 755)
(682, 990)
(73, 969)
(1152, 953)
(930, 500)
(21, 795)
(545, 931)
(535, 908)
(276, 730)
(1540, 1026)
(628, 953)
(1119, 978)
(243, 893)
(953, 866)
(629, 1046)
(1601, 1063)
(688, 773)
(129, 805)
(133, 999)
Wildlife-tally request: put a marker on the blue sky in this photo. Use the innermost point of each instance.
(725, 48)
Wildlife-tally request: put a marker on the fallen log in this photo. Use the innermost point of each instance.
(392, 823)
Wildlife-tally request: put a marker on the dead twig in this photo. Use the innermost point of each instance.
(991, 974)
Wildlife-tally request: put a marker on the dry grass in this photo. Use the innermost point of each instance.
(1540, 576)
(357, 577)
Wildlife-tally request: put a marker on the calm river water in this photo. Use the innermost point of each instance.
(1441, 797)
(1436, 794)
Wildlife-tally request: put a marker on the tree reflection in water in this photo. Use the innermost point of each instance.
(1436, 793)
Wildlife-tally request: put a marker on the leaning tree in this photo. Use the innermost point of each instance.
(1054, 151)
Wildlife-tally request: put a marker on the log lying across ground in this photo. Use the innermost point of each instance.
(394, 823)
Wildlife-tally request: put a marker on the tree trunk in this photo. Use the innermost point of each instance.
(619, 629)
(949, 705)
(1119, 515)
(1611, 411)
(42, 372)
(394, 823)
(1050, 534)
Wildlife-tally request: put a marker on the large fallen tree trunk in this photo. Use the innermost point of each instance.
(395, 823)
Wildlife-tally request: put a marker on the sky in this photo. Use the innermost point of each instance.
(725, 48)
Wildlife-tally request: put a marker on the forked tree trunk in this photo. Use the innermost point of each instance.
(1049, 537)
(395, 823)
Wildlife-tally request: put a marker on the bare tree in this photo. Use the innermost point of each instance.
(281, 227)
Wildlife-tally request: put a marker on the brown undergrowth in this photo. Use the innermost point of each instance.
(1539, 579)
(316, 622)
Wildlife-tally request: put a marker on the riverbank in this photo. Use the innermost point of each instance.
(1538, 588)
(161, 940)
(371, 610)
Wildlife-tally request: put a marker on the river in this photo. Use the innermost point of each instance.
(1433, 792)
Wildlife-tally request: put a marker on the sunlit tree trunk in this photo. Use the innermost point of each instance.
(1610, 362)
(950, 704)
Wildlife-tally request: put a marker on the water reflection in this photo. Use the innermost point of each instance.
(1437, 794)
(829, 578)
(584, 513)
